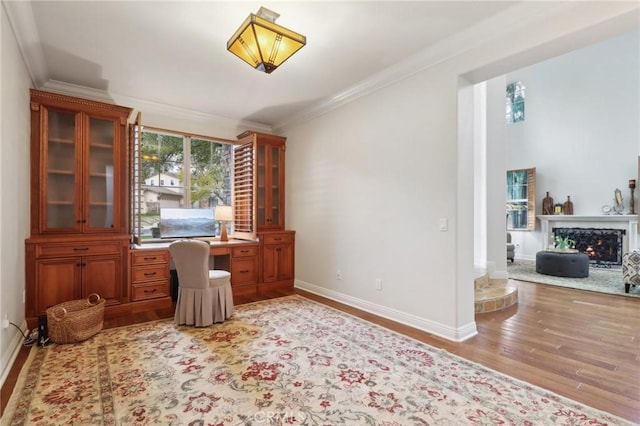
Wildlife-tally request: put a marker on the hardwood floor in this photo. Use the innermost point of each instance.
(579, 344)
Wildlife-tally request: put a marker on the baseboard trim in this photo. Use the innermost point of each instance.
(14, 349)
(454, 334)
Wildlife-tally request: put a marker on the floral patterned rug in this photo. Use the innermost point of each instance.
(287, 361)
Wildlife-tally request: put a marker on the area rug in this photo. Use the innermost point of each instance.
(287, 361)
(600, 279)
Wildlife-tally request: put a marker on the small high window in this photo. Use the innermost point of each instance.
(515, 102)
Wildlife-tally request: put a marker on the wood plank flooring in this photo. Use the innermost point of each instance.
(582, 345)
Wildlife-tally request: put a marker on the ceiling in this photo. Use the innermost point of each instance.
(174, 52)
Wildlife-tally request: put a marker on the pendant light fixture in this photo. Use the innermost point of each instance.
(262, 43)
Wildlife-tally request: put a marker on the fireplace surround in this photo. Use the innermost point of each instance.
(627, 223)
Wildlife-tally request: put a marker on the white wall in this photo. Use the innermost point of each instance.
(582, 128)
(496, 179)
(369, 182)
(14, 189)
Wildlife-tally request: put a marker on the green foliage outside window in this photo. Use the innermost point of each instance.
(515, 102)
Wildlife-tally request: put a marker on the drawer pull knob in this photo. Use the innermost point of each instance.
(150, 291)
(278, 239)
(244, 251)
(81, 249)
(244, 271)
(150, 258)
(149, 274)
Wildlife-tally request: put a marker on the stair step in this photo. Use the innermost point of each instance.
(495, 295)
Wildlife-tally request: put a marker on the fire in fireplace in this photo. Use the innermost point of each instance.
(603, 246)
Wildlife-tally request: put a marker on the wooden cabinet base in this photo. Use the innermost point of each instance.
(124, 309)
(274, 285)
(244, 289)
(137, 307)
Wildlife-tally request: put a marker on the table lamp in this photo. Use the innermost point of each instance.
(224, 214)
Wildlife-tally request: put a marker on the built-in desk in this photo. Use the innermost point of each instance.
(151, 265)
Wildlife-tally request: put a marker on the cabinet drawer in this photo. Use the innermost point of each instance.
(152, 273)
(77, 249)
(278, 238)
(244, 251)
(244, 271)
(150, 290)
(147, 257)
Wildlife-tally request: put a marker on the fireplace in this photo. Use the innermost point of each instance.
(602, 245)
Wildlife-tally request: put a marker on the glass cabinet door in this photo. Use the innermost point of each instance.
(274, 219)
(99, 209)
(261, 208)
(61, 175)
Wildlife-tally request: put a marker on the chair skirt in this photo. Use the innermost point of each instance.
(220, 284)
(203, 307)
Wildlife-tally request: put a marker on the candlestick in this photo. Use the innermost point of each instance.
(632, 186)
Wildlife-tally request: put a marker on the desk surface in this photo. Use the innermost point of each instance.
(212, 242)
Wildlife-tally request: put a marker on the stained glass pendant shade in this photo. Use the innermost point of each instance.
(262, 43)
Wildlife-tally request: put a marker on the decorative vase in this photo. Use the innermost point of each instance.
(568, 206)
(547, 205)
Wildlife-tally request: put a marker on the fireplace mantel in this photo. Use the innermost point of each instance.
(618, 221)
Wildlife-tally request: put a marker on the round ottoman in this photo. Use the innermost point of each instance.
(574, 265)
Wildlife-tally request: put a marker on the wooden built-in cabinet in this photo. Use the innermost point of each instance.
(149, 274)
(80, 241)
(259, 188)
(277, 258)
(66, 271)
(244, 268)
(258, 183)
(79, 230)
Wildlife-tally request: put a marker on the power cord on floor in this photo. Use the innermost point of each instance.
(30, 339)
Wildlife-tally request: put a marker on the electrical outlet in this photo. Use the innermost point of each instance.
(5, 321)
(338, 275)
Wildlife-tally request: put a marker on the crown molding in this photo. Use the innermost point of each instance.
(510, 21)
(23, 26)
(146, 106)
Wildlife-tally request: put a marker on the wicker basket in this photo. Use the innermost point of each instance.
(77, 320)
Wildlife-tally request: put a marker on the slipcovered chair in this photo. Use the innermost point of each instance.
(204, 296)
(511, 249)
(631, 269)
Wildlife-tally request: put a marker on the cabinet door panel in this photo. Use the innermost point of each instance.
(262, 207)
(102, 275)
(270, 264)
(275, 188)
(58, 280)
(285, 262)
(61, 149)
(100, 165)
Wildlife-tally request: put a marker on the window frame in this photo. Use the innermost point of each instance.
(135, 186)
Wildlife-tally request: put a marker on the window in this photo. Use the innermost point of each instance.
(515, 102)
(199, 172)
(521, 199)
